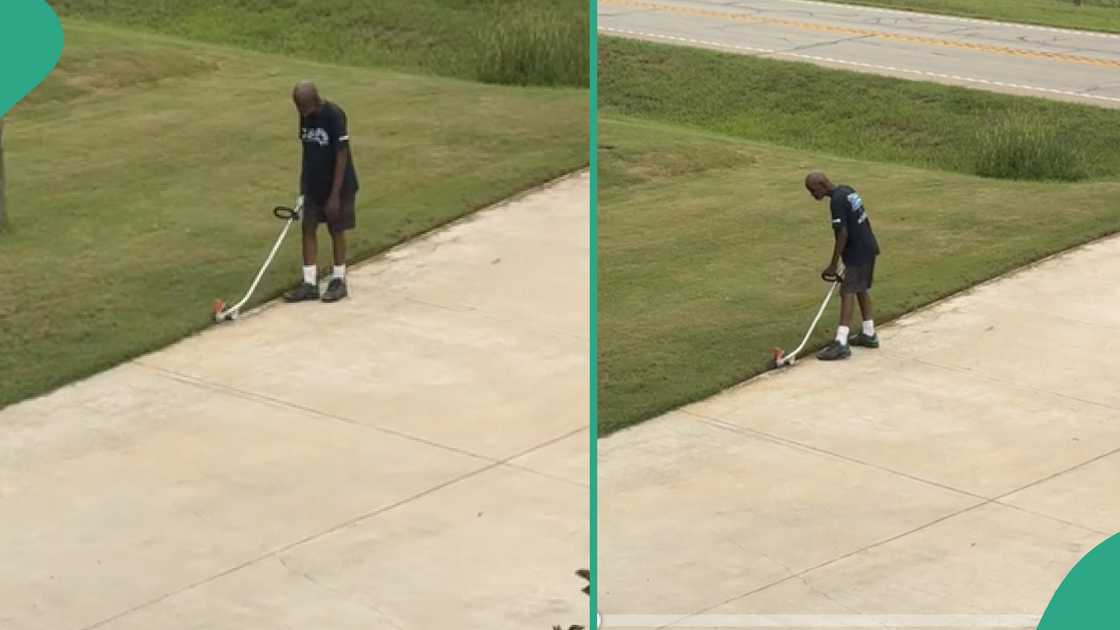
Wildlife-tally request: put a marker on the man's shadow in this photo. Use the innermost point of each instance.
(585, 574)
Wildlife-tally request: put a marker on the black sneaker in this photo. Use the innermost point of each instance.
(834, 351)
(336, 290)
(864, 341)
(304, 292)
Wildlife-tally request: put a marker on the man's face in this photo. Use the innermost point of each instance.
(816, 189)
(306, 105)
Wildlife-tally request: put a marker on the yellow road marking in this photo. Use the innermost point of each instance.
(910, 39)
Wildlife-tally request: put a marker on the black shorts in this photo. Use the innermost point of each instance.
(858, 278)
(314, 213)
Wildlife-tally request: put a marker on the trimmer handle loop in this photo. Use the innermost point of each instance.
(285, 213)
(832, 277)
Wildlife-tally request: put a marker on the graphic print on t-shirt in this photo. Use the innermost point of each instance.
(849, 212)
(857, 207)
(318, 135)
(322, 135)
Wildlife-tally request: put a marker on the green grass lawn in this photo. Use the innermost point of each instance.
(852, 114)
(493, 40)
(142, 175)
(710, 249)
(1092, 15)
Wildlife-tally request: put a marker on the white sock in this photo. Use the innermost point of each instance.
(868, 328)
(842, 335)
(340, 272)
(309, 274)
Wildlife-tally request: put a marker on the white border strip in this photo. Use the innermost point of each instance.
(857, 64)
(953, 18)
(1019, 622)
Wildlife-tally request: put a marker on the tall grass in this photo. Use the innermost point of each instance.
(1024, 147)
(522, 42)
(859, 116)
(535, 48)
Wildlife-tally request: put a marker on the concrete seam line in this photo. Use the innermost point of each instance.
(540, 473)
(790, 443)
(1083, 464)
(264, 399)
(800, 575)
(1051, 517)
(277, 402)
(279, 550)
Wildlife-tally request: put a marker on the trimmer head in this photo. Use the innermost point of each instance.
(220, 314)
(780, 358)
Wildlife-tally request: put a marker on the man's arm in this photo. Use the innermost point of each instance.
(340, 135)
(340, 169)
(302, 173)
(841, 243)
(840, 227)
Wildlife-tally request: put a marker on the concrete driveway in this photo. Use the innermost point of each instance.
(415, 457)
(961, 469)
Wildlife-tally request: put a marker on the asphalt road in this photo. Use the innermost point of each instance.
(1017, 59)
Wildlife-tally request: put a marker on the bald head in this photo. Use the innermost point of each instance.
(818, 185)
(306, 97)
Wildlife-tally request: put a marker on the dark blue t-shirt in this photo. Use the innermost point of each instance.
(322, 135)
(849, 212)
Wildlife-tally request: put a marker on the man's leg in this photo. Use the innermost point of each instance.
(310, 246)
(309, 289)
(849, 290)
(847, 306)
(865, 305)
(339, 243)
(337, 289)
(866, 337)
(838, 349)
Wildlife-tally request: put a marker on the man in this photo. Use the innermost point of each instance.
(856, 245)
(328, 186)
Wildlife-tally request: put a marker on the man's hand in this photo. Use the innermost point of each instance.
(334, 208)
(829, 273)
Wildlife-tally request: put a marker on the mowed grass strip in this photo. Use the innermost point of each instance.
(710, 252)
(1091, 15)
(531, 42)
(849, 114)
(135, 200)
